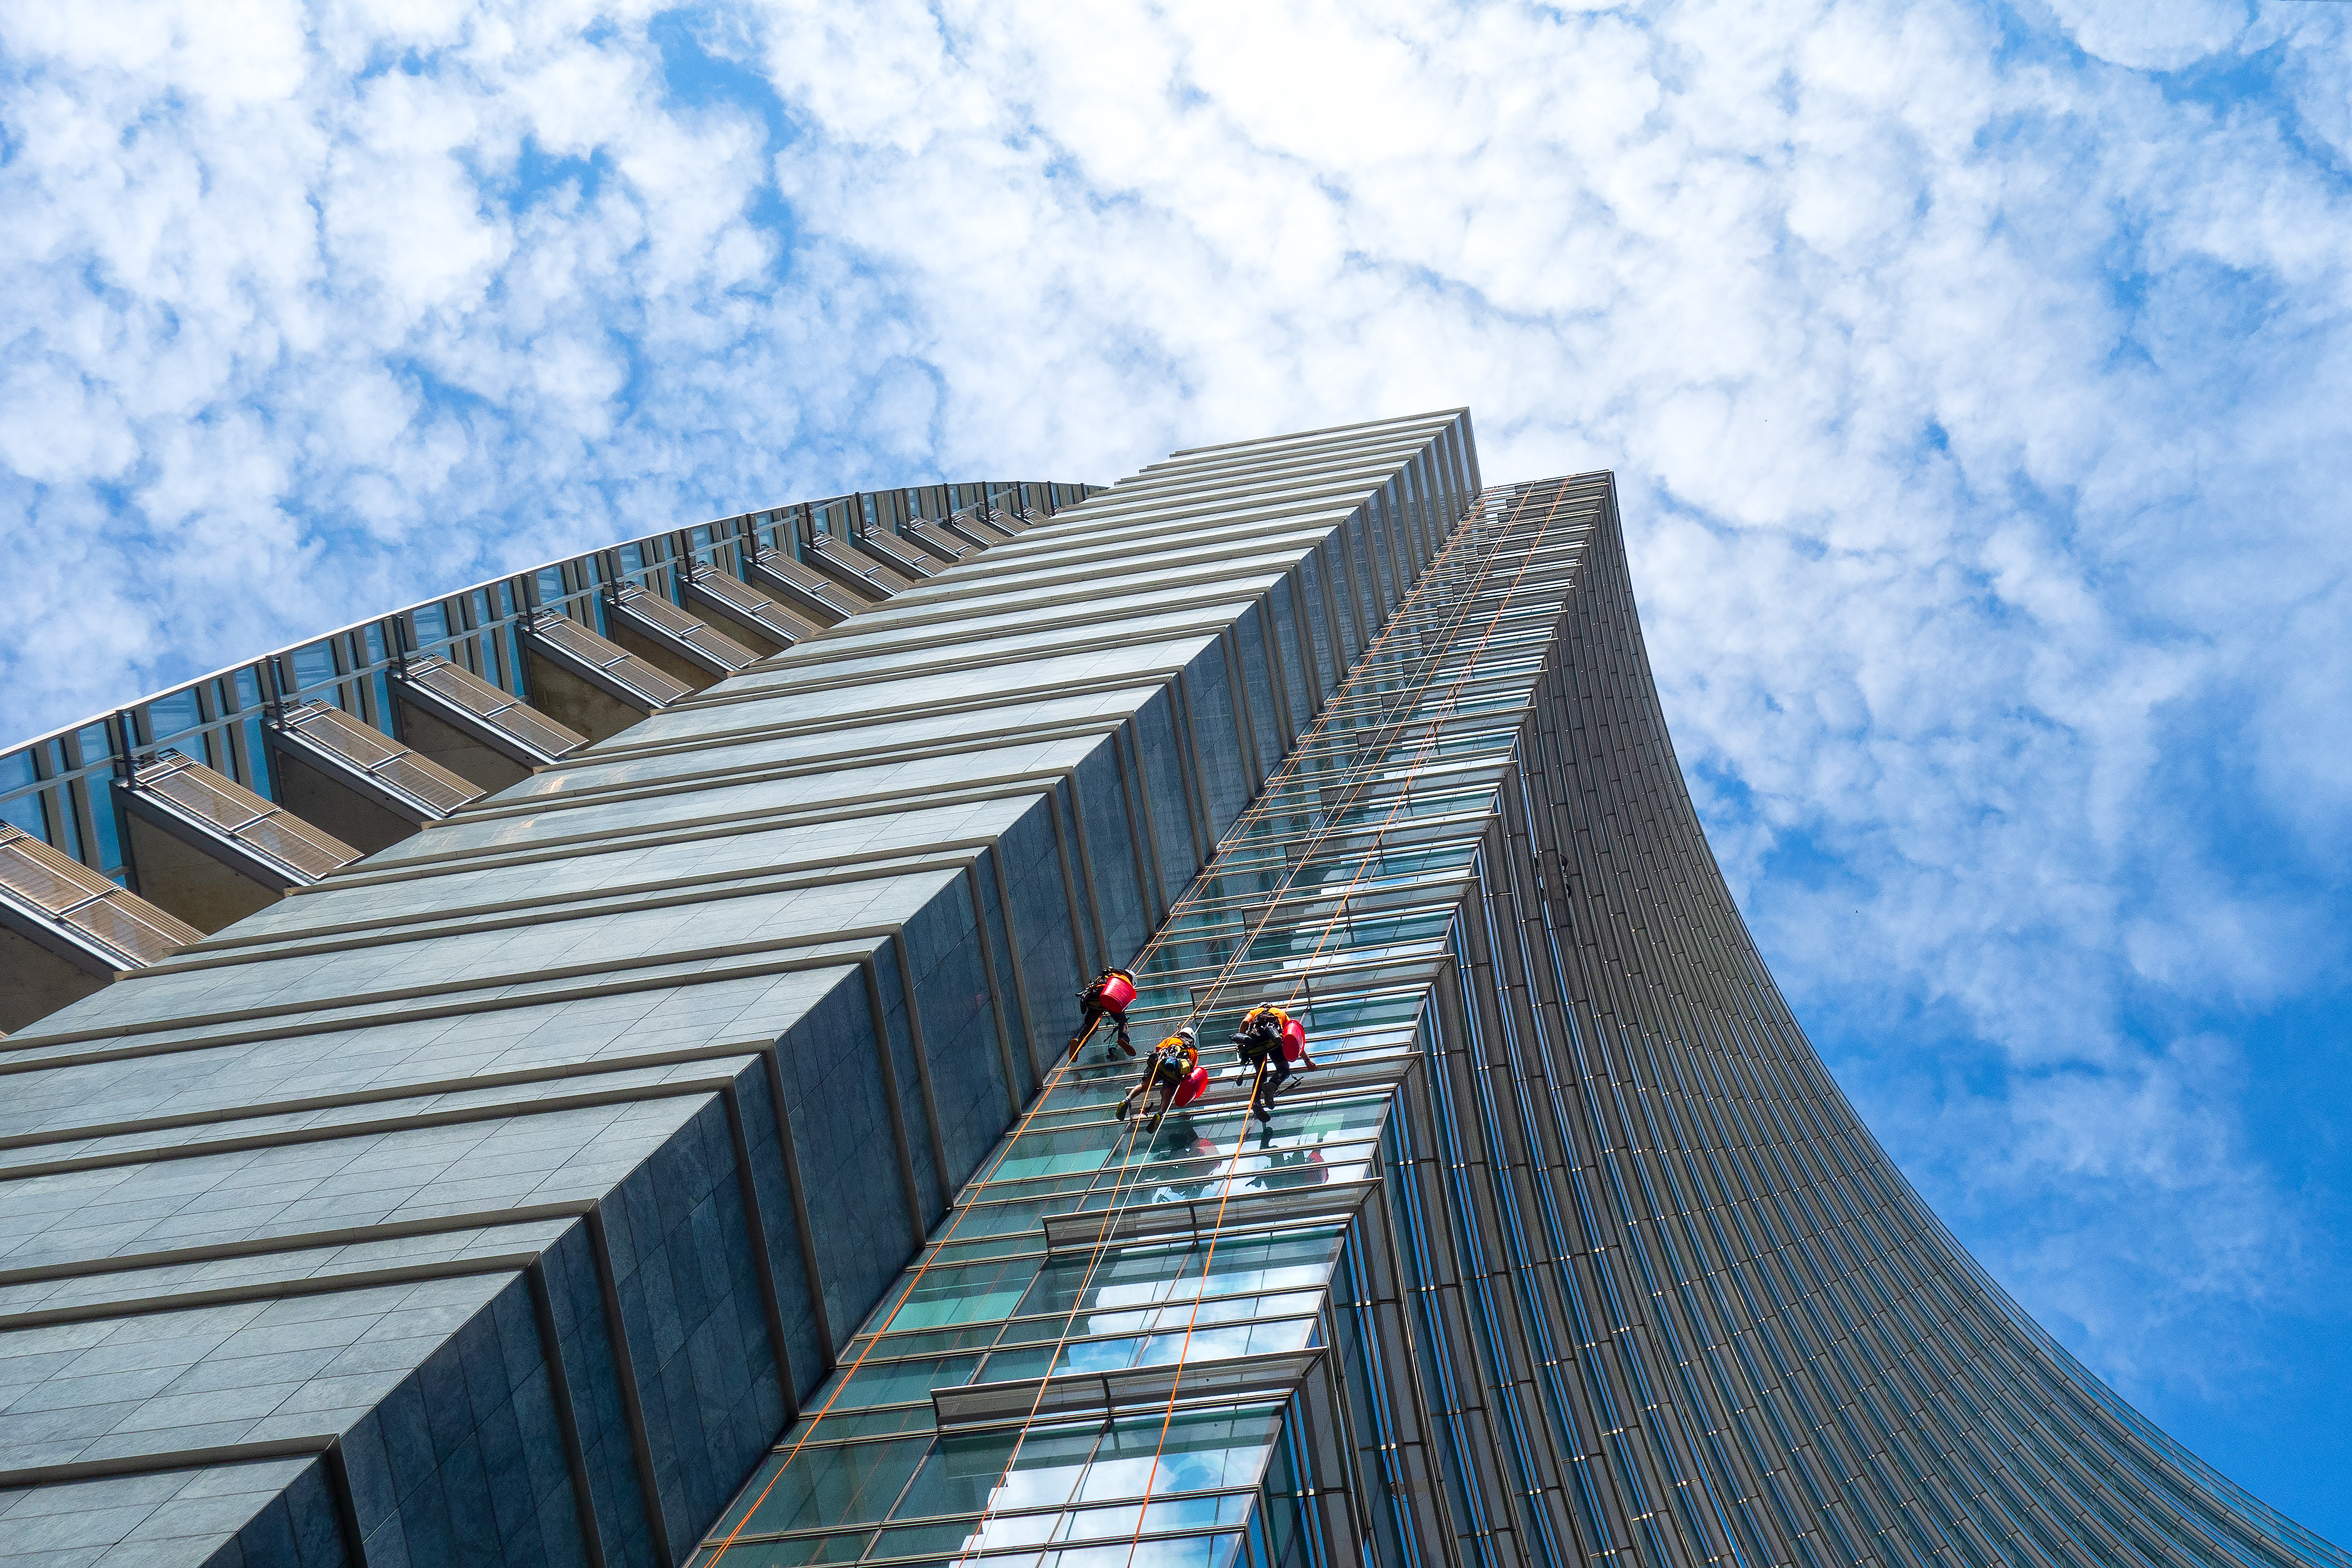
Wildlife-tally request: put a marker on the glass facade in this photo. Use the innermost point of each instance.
(672, 1157)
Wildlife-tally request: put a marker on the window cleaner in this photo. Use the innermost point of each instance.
(1174, 1067)
(1108, 997)
(1272, 1046)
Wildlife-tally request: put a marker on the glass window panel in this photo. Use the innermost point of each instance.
(799, 1552)
(969, 1293)
(1188, 1453)
(958, 1475)
(24, 813)
(256, 762)
(1055, 1153)
(1000, 1531)
(103, 827)
(850, 1485)
(314, 665)
(915, 1539)
(1334, 1016)
(16, 773)
(1239, 1308)
(1098, 1355)
(1046, 1468)
(1221, 1344)
(1141, 1277)
(1196, 1551)
(1005, 1470)
(842, 1425)
(921, 1340)
(900, 1382)
(1159, 1518)
(1029, 1363)
(170, 715)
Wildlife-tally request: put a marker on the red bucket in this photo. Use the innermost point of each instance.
(1116, 991)
(1294, 1040)
(1195, 1082)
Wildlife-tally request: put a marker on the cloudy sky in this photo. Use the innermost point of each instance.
(1972, 374)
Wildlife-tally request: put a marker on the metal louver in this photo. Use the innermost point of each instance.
(55, 888)
(433, 789)
(515, 720)
(940, 543)
(209, 801)
(894, 552)
(603, 662)
(805, 585)
(699, 640)
(984, 526)
(748, 604)
(861, 574)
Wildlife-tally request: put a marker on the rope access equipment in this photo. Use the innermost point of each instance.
(1174, 1066)
(1110, 996)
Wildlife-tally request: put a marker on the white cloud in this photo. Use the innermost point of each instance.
(2154, 38)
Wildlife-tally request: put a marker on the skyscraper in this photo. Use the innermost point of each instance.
(668, 1152)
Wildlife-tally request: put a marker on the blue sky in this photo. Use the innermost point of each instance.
(1972, 373)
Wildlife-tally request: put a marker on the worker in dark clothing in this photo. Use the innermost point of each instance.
(1109, 997)
(1173, 1067)
(1272, 1046)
